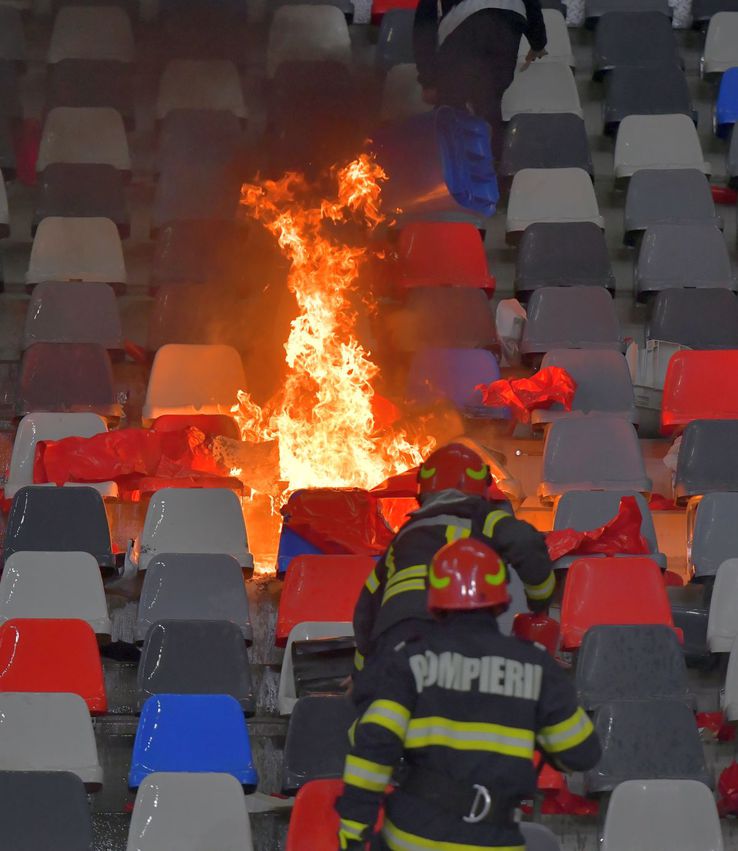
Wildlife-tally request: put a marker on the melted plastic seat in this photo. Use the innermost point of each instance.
(395, 39)
(187, 587)
(721, 44)
(305, 33)
(713, 542)
(698, 319)
(317, 740)
(52, 655)
(726, 106)
(197, 733)
(183, 811)
(662, 90)
(657, 141)
(196, 84)
(84, 135)
(196, 657)
(699, 386)
(640, 662)
(320, 588)
(91, 32)
(446, 317)
(542, 88)
(708, 459)
(82, 83)
(634, 39)
(545, 141)
(612, 591)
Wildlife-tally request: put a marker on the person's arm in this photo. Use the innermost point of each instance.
(535, 30)
(425, 41)
(367, 610)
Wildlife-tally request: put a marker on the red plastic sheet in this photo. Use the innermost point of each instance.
(714, 725)
(659, 502)
(549, 386)
(621, 535)
(728, 791)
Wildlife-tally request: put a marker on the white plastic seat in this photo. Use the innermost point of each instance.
(722, 624)
(192, 520)
(662, 815)
(657, 141)
(729, 694)
(189, 812)
(43, 426)
(551, 195)
(542, 88)
(721, 44)
(54, 585)
(559, 44)
(48, 732)
(84, 134)
(402, 94)
(308, 631)
(91, 32)
(200, 84)
(193, 380)
(77, 250)
(305, 33)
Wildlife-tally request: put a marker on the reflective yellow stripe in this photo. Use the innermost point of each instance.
(372, 583)
(412, 572)
(372, 776)
(389, 560)
(349, 831)
(493, 518)
(470, 736)
(388, 714)
(358, 661)
(455, 533)
(401, 840)
(410, 585)
(568, 734)
(542, 591)
(352, 733)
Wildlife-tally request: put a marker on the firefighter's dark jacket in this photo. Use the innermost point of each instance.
(396, 589)
(471, 704)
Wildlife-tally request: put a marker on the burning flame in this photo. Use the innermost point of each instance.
(323, 419)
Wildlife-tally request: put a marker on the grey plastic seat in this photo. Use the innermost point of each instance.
(190, 136)
(91, 32)
(317, 740)
(595, 9)
(73, 313)
(542, 88)
(12, 36)
(93, 83)
(10, 101)
(661, 90)
(545, 141)
(450, 317)
(662, 815)
(678, 196)
(562, 254)
(84, 135)
(303, 33)
(585, 510)
(539, 838)
(733, 162)
(44, 809)
(722, 621)
(721, 44)
(592, 453)
(657, 739)
(195, 657)
(690, 613)
(571, 318)
(676, 256)
(657, 141)
(4, 210)
(196, 84)
(708, 459)
(395, 39)
(636, 39)
(699, 319)
(193, 587)
(558, 47)
(703, 10)
(631, 662)
(713, 537)
(7, 149)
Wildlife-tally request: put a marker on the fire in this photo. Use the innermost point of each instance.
(323, 419)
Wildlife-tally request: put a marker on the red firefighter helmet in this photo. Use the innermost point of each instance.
(467, 574)
(454, 466)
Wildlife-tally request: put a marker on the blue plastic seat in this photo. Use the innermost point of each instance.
(292, 545)
(726, 108)
(195, 733)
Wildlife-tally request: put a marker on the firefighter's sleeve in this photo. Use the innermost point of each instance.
(564, 731)
(535, 29)
(524, 547)
(366, 611)
(378, 745)
(425, 42)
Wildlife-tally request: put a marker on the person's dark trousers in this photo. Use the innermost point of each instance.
(476, 64)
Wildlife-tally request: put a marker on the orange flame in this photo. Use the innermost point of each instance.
(323, 419)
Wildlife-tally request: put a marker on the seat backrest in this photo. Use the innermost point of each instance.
(657, 141)
(602, 378)
(585, 510)
(669, 195)
(84, 134)
(708, 459)
(698, 318)
(307, 32)
(722, 623)
(190, 135)
(453, 375)
(713, 537)
(699, 386)
(553, 140)
(98, 33)
(402, 94)
(539, 838)
(721, 52)
(549, 88)
(456, 317)
(395, 39)
(200, 84)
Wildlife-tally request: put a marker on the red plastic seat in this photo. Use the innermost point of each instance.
(432, 254)
(52, 655)
(699, 386)
(379, 7)
(614, 591)
(320, 588)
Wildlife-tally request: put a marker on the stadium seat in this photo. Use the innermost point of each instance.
(183, 811)
(52, 655)
(193, 380)
(67, 377)
(595, 9)
(558, 47)
(707, 460)
(634, 39)
(7, 161)
(539, 838)
(59, 520)
(194, 84)
(542, 88)
(10, 101)
(72, 249)
(196, 657)
(204, 31)
(91, 32)
(44, 809)
(381, 7)
(637, 662)
(721, 44)
(712, 540)
(92, 83)
(402, 94)
(320, 588)
(545, 141)
(452, 375)
(317, 740)
(614, 592)
(317, 634)
(86, 190)
(657, 739)
(603, 385)
(733, 162)
(698, 319)
(630, 90)
(584, 510)
(395, 39)
(703, 10)
(678, 196)
(191, 136)
(193, 587)
(550, 195)
(722, 623)
(729, 692)
(197, 733)
(726, 107)
(4, 210)
(657, 141)
(84, 135)
(48, 732)
(194, 314)
(699, 386)
(305, 33)
(662, 815)
(690, 613)
(446, 317)
(570, 318)
(682, 255)
(12, 36)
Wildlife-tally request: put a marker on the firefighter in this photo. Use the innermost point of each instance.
(453, 486)
(465, 707)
